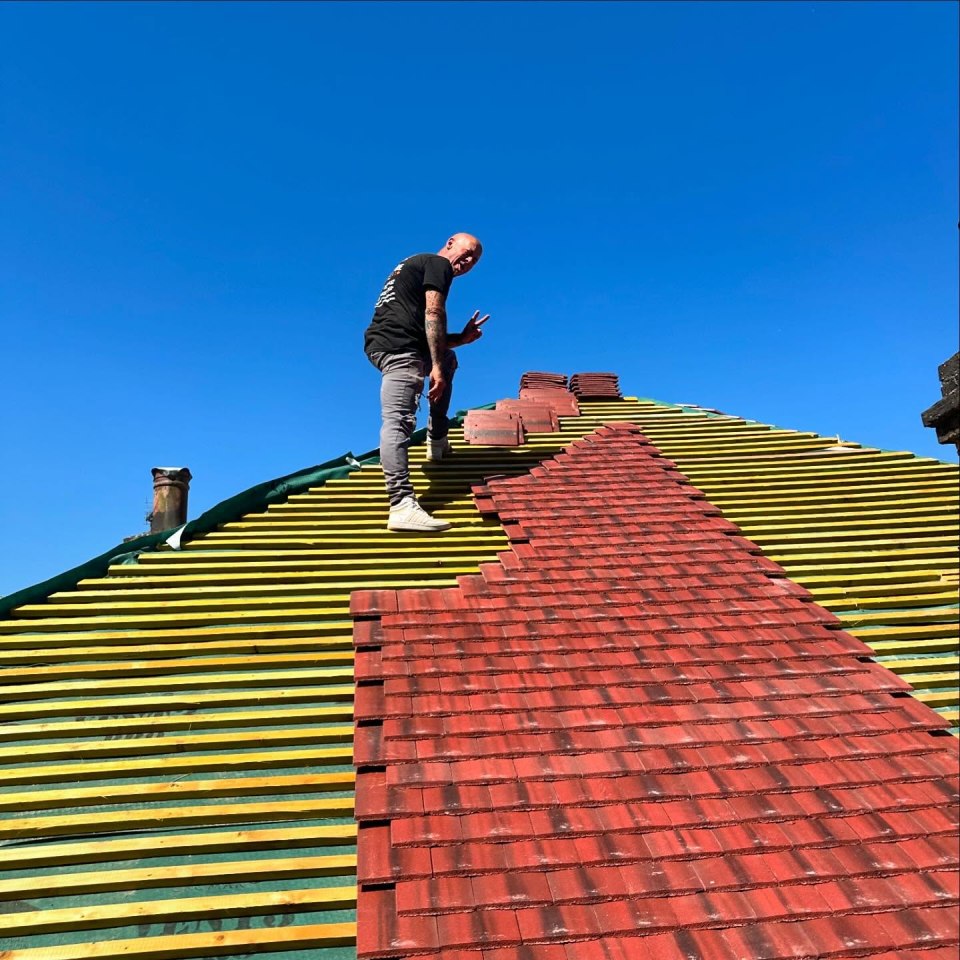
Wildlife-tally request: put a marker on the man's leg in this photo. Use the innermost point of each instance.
(439, 423)
(400, 391)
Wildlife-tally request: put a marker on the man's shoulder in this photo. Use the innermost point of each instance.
(422, 259)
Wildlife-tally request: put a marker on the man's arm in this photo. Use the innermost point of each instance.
(436, 329)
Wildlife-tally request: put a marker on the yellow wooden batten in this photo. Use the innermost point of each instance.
(173, 665)
(302, 937)
(105, 748)
(175, 789)
(27, 637)
(937, 698)
(236, 871)
(279, 678)
(933, 679)
(180, 909)
(184, 700)
(42, 855)
(851, 498)
(892, 617)
(371, 550)
(266, 586)
(173, 650)
(887, 553)
(161, 765)
(194, 721)
(892, 599)
(908, 642)
(819, 484)
(252, 584)
(903, 526)
(336, 605)
(81, 824)
(846, 569)
(848, 507)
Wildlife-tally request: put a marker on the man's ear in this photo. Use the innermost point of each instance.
(449, 243)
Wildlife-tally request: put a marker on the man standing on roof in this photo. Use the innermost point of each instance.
(406, 341)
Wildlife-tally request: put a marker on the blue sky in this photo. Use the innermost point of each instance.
(747, 206)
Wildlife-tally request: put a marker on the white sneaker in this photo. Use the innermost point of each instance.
(409, 515)
(438, 449)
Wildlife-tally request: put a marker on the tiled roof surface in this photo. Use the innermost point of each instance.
(177, 776)
(634, 731)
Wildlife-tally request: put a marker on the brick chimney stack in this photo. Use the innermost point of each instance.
(944, 415)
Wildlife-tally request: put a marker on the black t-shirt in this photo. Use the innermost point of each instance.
(399, 324)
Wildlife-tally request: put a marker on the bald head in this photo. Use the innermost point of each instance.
(463, 250)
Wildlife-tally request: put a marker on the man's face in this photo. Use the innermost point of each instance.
(465, 257)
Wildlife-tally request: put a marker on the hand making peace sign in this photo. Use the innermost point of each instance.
(472, 330)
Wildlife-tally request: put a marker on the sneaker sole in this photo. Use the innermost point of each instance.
(417, 527)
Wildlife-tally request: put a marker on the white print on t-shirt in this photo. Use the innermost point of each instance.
(387, 294)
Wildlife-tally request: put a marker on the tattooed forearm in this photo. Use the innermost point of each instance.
(436, 336)
(436, 326)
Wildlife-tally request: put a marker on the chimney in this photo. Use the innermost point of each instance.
(944, 415)
(170, 488)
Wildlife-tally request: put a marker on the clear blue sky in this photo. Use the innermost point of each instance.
(750, 206)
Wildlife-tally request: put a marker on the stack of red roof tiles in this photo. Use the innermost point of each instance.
(634, 738)
(549, 388)
(544, 398)
(595, 386)
(539, 379)
(562, 402)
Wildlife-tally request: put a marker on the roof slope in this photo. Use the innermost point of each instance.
(177, 756)
(628, 736)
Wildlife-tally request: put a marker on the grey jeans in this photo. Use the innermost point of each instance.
(400, 389)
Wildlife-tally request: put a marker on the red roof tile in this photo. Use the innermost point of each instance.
(501, 428)
(635, 735)
(535, 417)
